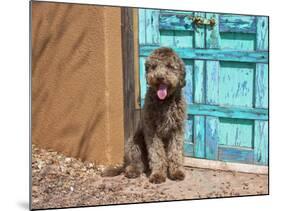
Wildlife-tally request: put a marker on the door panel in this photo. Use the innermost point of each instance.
(238, 41)
(236, 132)
(189, 137)
(236, 84)
(188, 89)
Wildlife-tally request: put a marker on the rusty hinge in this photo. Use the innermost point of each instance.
(199, 21)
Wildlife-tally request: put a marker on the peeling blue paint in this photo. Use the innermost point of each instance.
(227, 80)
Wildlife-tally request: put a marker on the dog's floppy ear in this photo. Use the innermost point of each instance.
(183, 81)
(147, 64)
(182, 69)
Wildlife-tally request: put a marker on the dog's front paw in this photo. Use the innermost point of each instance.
(177, 174)
(132, 172)
(157, 178)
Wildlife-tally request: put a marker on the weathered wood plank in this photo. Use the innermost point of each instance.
(237, 23)
(212, 33)
(188, 136)
(136, 57)
(199, 33)
(212, 54)
(211, 139)
(142, 79)
(142, 28)
(261, 97)
(236, 84)
(212, 82)
(225, 166)
(188, 89)
(128, 74)
(180, 12)
(199, 89)
(199, 85)
(188, 149)
(234, 154)
(262, 33)
(261, 86)
(172, 21)
(228, 112)
(199, 136)
(261, 142)
(238, 41)
(236, 132)
(152, 27)
(166, 39)
(183, 39)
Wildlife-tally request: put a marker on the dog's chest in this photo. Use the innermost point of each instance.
(167, 119)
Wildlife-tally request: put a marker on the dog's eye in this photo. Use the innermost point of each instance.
(153, 66)
(169, 66)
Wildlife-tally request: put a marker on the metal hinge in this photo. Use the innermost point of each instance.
(200, 21)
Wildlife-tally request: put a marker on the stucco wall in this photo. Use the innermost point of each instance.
(77, 93)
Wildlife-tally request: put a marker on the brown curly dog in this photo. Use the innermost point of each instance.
(157, 145)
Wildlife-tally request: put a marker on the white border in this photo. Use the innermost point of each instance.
(14, 110)
(229, 6)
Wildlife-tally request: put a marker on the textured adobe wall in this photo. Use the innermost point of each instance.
(77, 93)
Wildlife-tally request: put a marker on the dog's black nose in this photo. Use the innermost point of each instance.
(160, 78)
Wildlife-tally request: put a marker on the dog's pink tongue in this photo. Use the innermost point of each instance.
(162, 91)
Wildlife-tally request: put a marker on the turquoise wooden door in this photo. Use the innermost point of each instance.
(227, 80)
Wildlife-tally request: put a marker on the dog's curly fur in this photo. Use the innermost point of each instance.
(157, 145)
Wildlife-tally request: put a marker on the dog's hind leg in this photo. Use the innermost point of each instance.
(135, 155)
(135, 158)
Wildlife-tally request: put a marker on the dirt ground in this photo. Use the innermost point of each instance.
(60, 181)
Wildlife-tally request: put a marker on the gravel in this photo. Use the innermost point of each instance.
(60, 181)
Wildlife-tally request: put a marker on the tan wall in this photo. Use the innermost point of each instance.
(77, 93)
